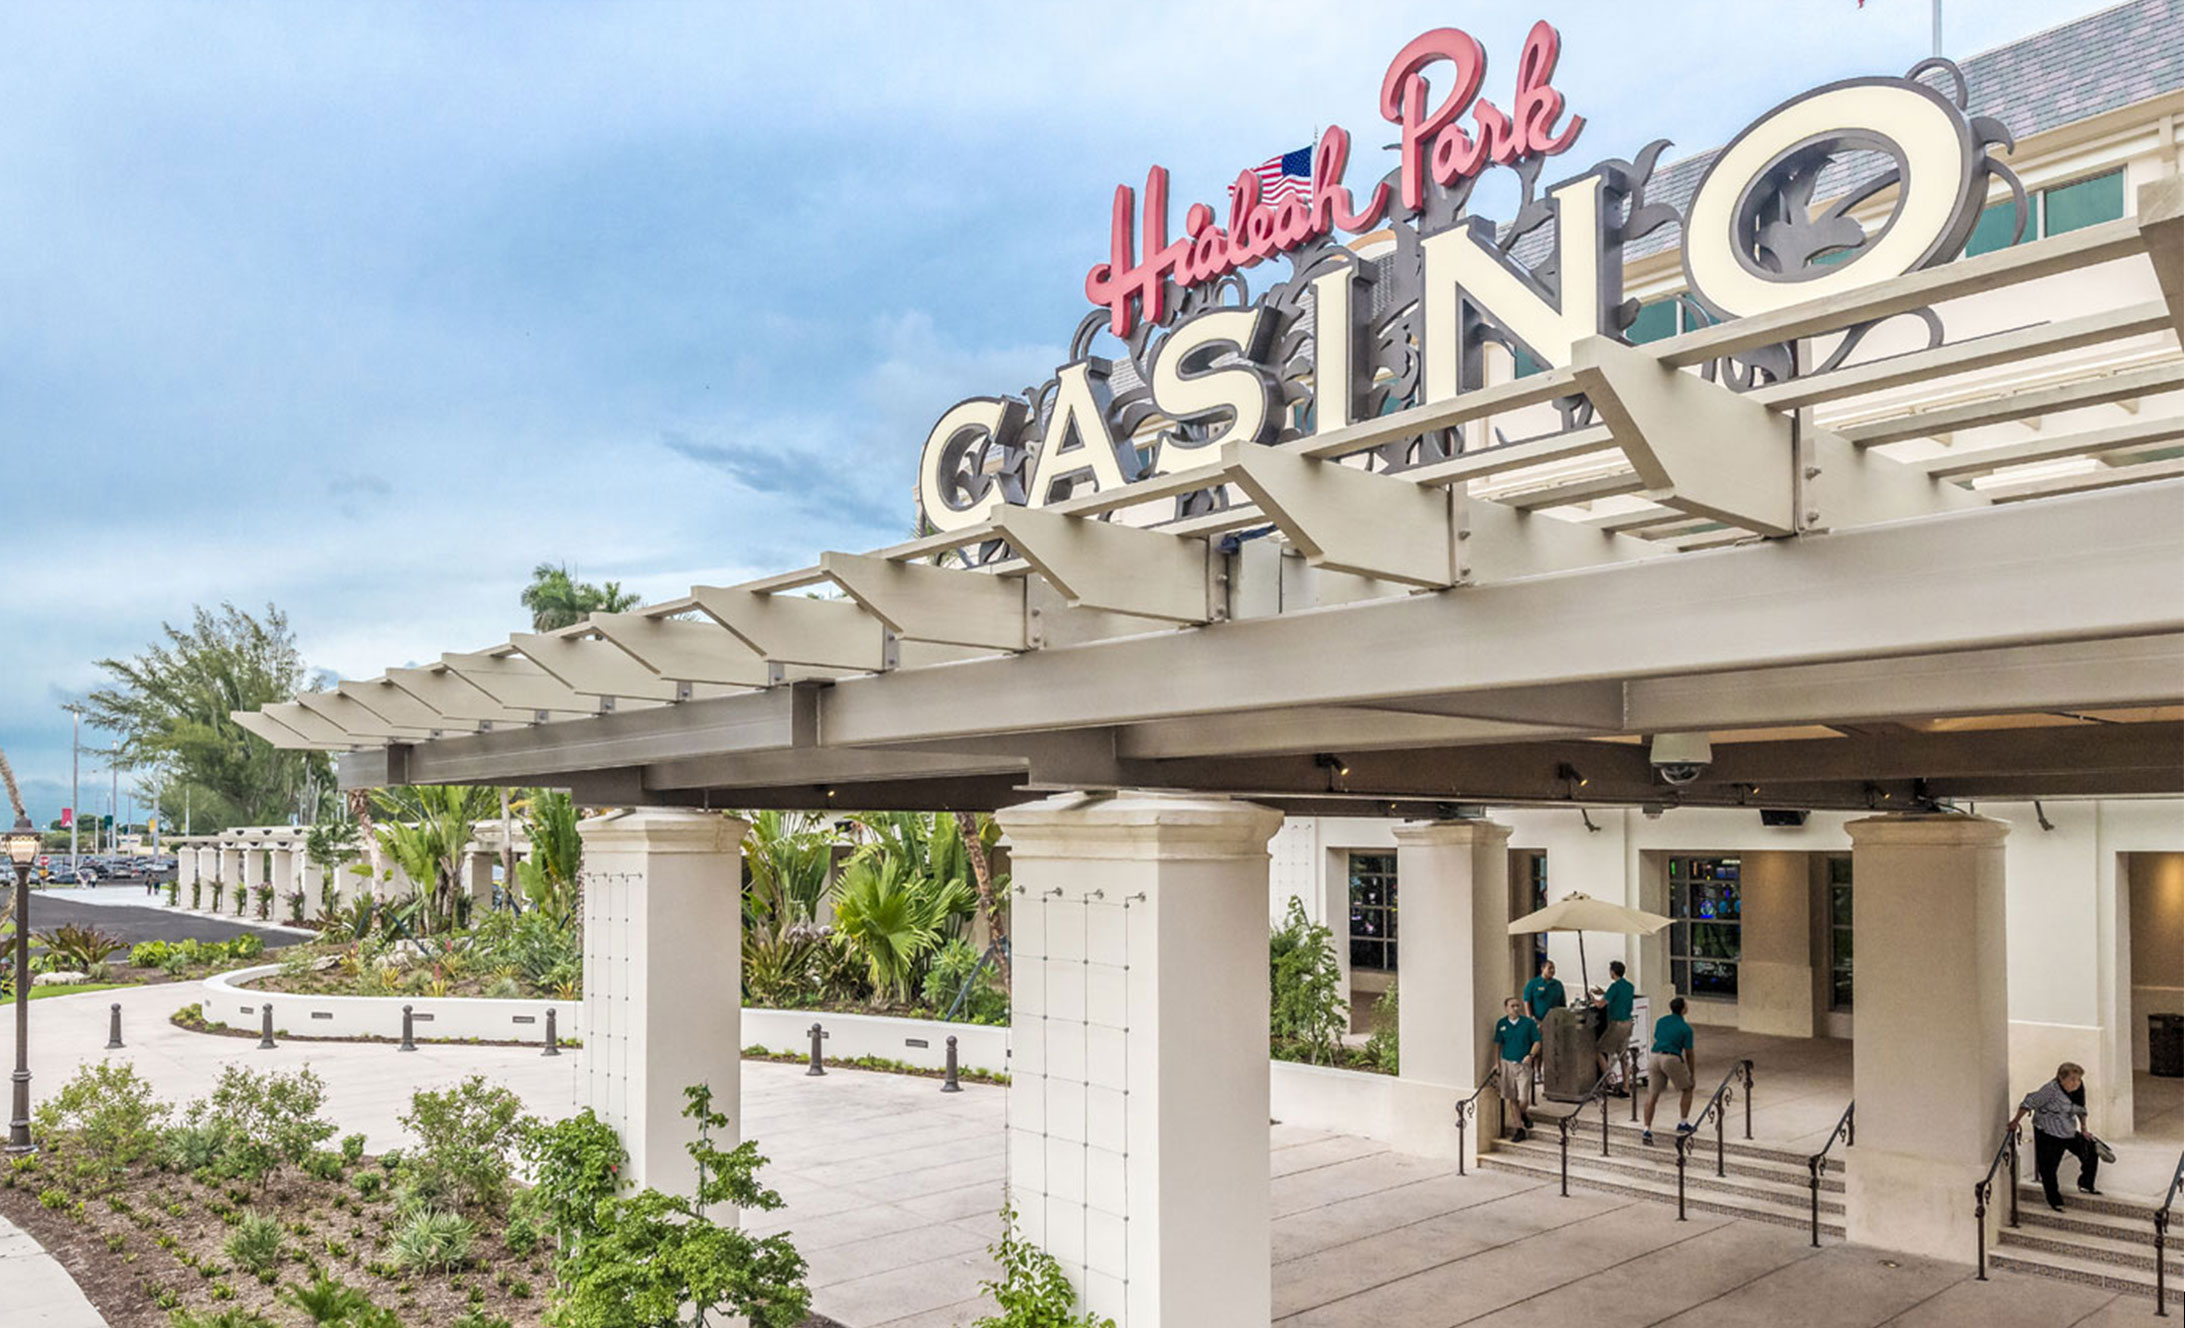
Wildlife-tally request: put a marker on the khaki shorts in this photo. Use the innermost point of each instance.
(1516, 1078)
(1662, 1068)
(1614, 1038)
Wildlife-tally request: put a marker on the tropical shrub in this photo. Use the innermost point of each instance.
(1032, 1291)
(1381, 1048)
(263, 893)
(255, 1244)
(959, 985)
(659, 1260)
(77, 948)
(893, 919)
(108, 1108)
(149, 954)
(549, 875)
(575, 1165)
(433, 1240)
(465, 1137)
(259, 1123)
(327, 1300)
(1307, 1012)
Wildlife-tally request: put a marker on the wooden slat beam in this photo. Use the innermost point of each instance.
(2129, 385)
(2091, 442)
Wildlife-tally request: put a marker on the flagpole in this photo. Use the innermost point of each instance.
(1938, 28)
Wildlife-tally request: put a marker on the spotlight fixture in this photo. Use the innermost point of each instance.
(1330, 761)
(1570, 775)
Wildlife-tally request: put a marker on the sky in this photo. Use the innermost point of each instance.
(364, 311)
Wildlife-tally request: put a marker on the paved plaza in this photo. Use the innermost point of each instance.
(893, 1191)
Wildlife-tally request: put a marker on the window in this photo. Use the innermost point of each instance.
(1656, 322)
(1994, 230)
(1527, 366)
(1704, 941)
(1839, 933)
(1536, 897)
(2068, 207)
(1373, 911)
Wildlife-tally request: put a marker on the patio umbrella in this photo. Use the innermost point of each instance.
(1583, 913)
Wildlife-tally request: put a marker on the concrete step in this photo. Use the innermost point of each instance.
(1661, 1158)
(1777, 1209)
(2136, 1228)
(2099, 1249)
(2084, 1271)
(1733, 1146)
(2114, 1203)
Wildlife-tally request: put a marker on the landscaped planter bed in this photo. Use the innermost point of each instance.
(231, 999)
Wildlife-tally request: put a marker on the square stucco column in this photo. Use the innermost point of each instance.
(1930, 1064)
(185, 872)
(1453, 884)
(282, 866)
(1138, 1064)
(254, 872)
(230, 875)
(663, 964)
(478, 881)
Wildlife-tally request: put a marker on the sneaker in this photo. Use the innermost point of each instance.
(1686, 1127)
(1646, 1136)
(1520, 1136)
(2088, 1189)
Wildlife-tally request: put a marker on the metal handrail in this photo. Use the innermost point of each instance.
(1597, 1093)
(1985, 1191)
(1739, 1069)
(2162, 1238)
(1817, 1165)
(1469, 1107)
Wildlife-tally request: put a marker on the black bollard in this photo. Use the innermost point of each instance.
(409, 1040)
(553, 1037)
(948, 1082)
(265, 1024)
(817, 1068)
(113, 1035)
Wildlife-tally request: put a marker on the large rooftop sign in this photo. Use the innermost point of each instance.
(1341, 340)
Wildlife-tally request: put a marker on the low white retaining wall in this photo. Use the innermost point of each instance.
(1319, 1097)
(229, 1001)
(919, 1042)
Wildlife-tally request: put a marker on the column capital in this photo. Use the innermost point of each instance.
(663, 830)
(1137, 824)
(1455, 832)
(1927, 830)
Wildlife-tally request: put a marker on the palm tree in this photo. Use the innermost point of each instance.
(549, 875)
(429, 826)
(557, 599)
(15, 792)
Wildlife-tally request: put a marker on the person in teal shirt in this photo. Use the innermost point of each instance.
(1670, 1061)
(1615, 1007)
(1544, 993)
(1517, 1044)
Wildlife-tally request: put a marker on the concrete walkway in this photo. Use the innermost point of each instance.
(893, 1192)
(35, 1291)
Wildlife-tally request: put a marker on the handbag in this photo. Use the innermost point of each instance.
(2102, 1150)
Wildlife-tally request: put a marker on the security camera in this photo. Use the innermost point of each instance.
(1680, 758)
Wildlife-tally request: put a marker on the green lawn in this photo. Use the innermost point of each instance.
(40, 993)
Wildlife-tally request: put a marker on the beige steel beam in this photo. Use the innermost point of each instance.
(1490, 462)
(353, 718)
(1351, 520)
(2090, 442)
(1118, 569)
(2072, 675)
(2108, 477)
(2162, 218)
(2087, 567)
(311, 724)
(263, 725)
(598, 668)
(1988, 352)
(921, 603)
(685, 651)
(1502, 543)
(1698, 447)
(1571, 491)
(791, 629)
(2129, 385)
(440, 689)
(518, 683)
(397, 706)
(1329, 729)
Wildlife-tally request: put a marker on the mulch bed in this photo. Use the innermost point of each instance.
(112, 1242)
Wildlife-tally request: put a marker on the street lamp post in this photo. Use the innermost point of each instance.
(23, 843)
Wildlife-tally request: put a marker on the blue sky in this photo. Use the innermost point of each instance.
(364, 310)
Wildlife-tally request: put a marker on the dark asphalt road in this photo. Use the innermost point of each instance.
(141, 924)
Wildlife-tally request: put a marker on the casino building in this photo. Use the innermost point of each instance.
(1786, 540)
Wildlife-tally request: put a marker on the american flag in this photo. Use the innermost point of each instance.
(1283, 176)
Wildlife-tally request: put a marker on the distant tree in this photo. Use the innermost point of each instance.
(557, 599)
(549, 875)
(424, 830)
(170, 705)
(15, 792)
